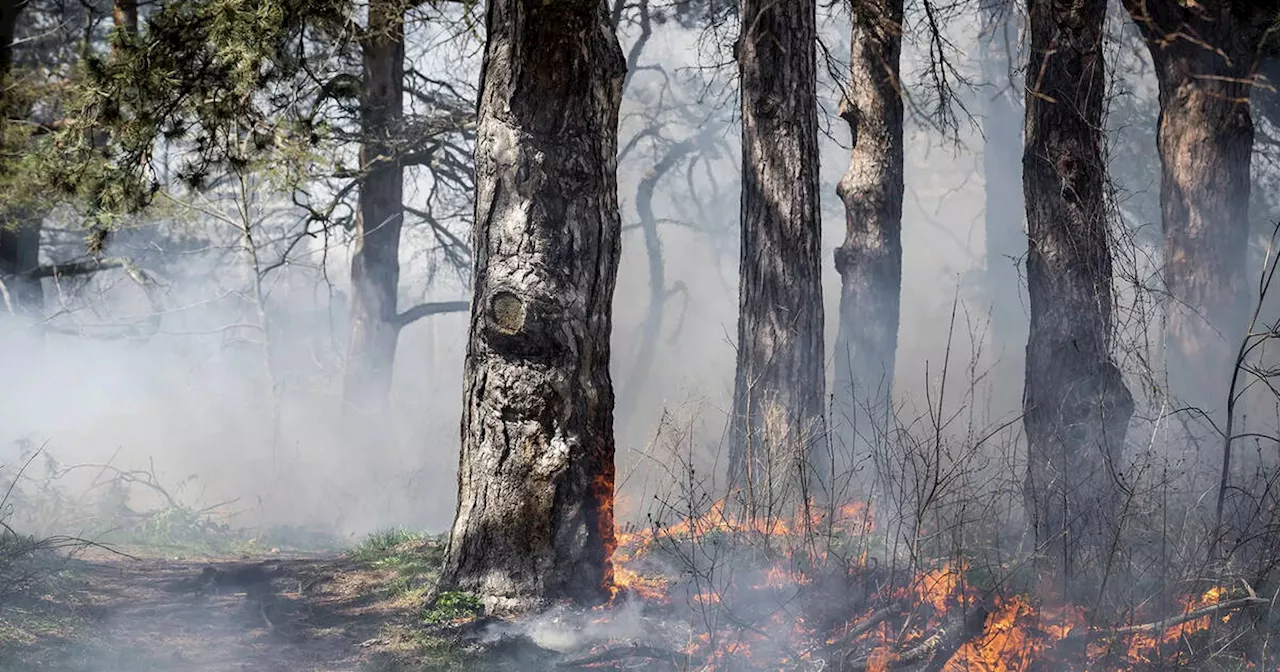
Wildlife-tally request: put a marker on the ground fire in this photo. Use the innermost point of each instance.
(803, 592)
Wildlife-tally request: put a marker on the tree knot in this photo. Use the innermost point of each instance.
(507, 313)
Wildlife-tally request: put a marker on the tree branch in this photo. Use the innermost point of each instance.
(426, 309)
(1167, 623)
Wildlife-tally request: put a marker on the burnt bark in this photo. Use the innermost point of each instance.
(870, 260)
(535, 484)
(1205, 56)
(776, 421)
(375, 264)
(1076, 406)
(1006, 240)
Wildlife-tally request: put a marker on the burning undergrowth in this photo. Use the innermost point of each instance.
(705, 585)
(932, 566)
(716, 591)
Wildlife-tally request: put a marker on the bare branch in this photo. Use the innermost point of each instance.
(426, 309)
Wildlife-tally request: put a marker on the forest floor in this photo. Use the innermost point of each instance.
(357, 611)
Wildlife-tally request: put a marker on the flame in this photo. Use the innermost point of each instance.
(1019, 633)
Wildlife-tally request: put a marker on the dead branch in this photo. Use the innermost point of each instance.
(425, 309)
(864, 627)
(136, 273)
(959, 627)
(1173, 621)
(88, 266)
(141, 477)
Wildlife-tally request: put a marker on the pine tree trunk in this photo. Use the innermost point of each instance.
(19, 255)
(1076, 406)
(375, 265)
(124, 15)
(778, 388)
(535, 486)
(870, 260)
(19, 231)
(1006, 239)
(1205, 139)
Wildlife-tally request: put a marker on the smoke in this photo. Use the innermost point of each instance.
(262, 424)
(198, 397)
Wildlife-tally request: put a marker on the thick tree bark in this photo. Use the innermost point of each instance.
(1205, 55)
(1076, 406)
(776, 421)
(535, 484)
(1002, 169)
(375, 265)
(870, 260)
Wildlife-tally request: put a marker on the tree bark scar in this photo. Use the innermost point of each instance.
(506, 313)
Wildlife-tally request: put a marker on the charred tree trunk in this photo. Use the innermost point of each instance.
(1076, 406)
(1205, 55)
(778, 387)
(19, 232)
(535, 485)
(375, 265)
(870, 260)
(1002, 169)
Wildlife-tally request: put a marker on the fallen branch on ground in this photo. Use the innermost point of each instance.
(1173, 621)
(959, 628)
(862, 628)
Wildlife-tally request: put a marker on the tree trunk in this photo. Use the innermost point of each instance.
(124, 15)
(1002, 169)
(22, 293)
(870, 260)
(1205, 56)
(19, 255)
(375, 265)
(1076, 406)
(778, 387)
(535, 486)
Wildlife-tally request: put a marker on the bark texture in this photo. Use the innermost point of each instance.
(535, 484)
(375, 265)
(870, 260)
(778, 387)
(1002, 169)
(1205, 55)
(1076, 406)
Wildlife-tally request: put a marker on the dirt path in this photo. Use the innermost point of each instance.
(318, 614)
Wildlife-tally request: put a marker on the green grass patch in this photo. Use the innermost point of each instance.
(453, 606)
(413, 558)
(384, 544)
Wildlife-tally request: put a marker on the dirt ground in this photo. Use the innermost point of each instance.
(118, 614)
